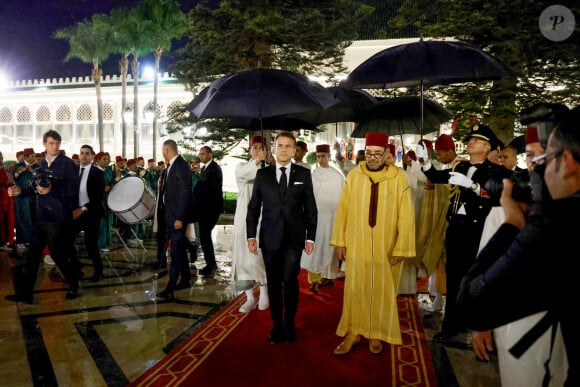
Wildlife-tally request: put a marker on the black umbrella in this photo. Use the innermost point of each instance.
(271, 123)
(350, 104)
(402, 115)
(424, 64)
(260, 93)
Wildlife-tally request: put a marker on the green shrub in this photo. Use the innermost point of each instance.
(230, 199)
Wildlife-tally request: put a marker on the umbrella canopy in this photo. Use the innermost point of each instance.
(426, 63)
(271, 123)
(351, 103)
(402, 115)
(260, 93)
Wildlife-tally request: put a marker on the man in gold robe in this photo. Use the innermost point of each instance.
(374, 230)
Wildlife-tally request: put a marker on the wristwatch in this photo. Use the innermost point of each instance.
(84, 208)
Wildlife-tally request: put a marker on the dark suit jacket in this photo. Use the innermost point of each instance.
(96, 191)
(208, 195)
(176, 193)
(291, 220)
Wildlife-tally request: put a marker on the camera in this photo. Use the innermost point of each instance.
(41, 177)
(522, 189)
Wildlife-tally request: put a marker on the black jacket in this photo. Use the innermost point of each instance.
(520, 273)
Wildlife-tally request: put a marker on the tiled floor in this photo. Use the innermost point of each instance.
(117, 329)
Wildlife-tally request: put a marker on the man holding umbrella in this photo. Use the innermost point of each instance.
(468, 207)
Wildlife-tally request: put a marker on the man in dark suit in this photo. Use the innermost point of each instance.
(175, 202)
(89, 210)
(209, 203)
(284, 198)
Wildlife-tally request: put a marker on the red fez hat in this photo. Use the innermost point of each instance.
(131, 162)
(75, 156)
(444, 142)
(19, 153)
(393, 149)
(257, 140)
(28, 152)
(39, 154)
(118, 159)
(412, 155)
(323, 148)
(160, 163)
(99, 155)
(302, 144)
(377, 139)
(532, 135)
(140, 158)
(150, 161)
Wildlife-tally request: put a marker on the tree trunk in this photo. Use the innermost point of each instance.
(97, 76)
(124, 68)
(136, 121)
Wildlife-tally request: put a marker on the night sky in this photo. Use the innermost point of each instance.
(27, 49)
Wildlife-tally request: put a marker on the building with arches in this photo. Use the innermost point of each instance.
(30, 108)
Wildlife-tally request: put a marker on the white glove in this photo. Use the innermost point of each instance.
(460, 179)
(421, 152)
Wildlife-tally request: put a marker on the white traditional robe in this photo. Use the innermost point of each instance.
(327, 185)
(245, 266)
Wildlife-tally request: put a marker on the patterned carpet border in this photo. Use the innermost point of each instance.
(187, 356)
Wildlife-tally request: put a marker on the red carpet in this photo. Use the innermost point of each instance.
(231, 349)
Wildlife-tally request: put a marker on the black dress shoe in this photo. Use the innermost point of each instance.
(290, 336)
(95, 278)
(208, 271)
(168, 295)
(19, 298)
(181, 286)
(71, 294)
(443, 337)
(276, 337)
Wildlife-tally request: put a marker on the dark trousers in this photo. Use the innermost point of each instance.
(461, 245)
(282, 269)
(206, 225)
(58, 238)
(90, 224)
(179, 260)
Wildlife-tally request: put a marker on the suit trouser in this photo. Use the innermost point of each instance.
(179, 261)
(461, 245)
(57, 237)
(282, 269)
(90, 224)
(206, 225)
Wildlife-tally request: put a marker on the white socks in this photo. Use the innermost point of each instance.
(250, 303)
(264, 301)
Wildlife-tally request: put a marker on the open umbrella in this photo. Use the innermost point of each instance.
(271, 123)
(402, 115)
(424, 64)
(260, 93)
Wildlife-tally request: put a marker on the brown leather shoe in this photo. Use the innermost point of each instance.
(345, 347)
(375, 346)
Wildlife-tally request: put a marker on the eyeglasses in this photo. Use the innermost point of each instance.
(545, 158)
(376, 155)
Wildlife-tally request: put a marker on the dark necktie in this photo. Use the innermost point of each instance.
(283, 182)
(81, 174)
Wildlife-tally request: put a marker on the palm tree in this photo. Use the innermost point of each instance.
(89, 41)
(120, 44)
(167, 22)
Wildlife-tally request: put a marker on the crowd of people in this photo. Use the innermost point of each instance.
(481, 228)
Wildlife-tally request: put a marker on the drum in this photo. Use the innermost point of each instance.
(131, 200)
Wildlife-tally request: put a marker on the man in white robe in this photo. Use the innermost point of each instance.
(327, 182)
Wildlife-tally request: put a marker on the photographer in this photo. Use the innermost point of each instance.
(56, 186)
(533, 247)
